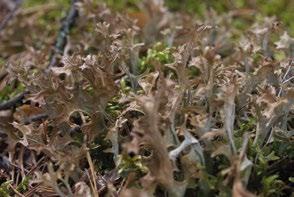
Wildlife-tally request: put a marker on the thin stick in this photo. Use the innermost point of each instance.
(63, 33)
(3, 75)
(284, 77)
(92, 174)
(35, 167)
(287, 80)
(13, 102)
(36, 118)
(10, 15)
(15, 191)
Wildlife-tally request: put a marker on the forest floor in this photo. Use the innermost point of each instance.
(146, 98)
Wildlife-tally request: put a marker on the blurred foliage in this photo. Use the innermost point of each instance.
(283, 9)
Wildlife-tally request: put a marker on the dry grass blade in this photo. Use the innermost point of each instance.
(93, 176)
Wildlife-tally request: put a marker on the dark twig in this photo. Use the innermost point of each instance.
(61, 40)
(4, 164)
(13, 102)
(3, 75)
(35, 118)
(10, 15)
(37, 165)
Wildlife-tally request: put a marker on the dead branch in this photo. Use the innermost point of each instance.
(63, 33)
(35, 118)
(13, 102)
(10, 15)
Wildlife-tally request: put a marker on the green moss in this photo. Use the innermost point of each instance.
(23, 186)
(272, 186)
(9, 91)
(1, 62)
(113, 107)
(157, 53)
(32, 3)
(5, 189)
(128, 164)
